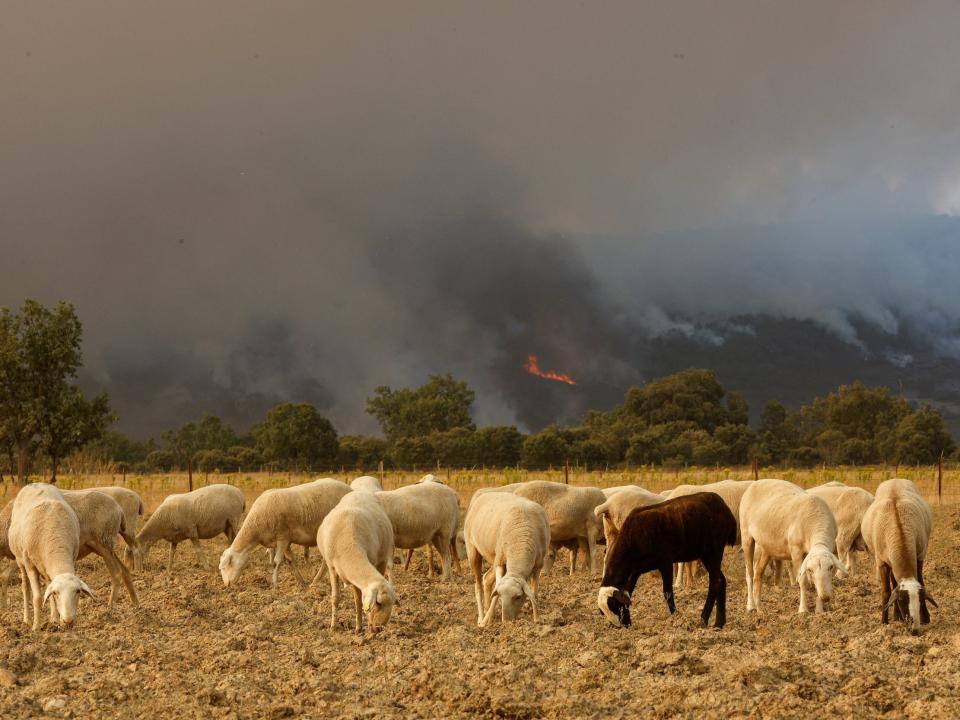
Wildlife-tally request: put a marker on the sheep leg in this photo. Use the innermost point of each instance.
(574, 551)
(334, 595)
(455, 556)
(443, 548)
(54, 615)
(358, 606)
(802, 582)
(277, 560)
(4, 586)
(883, 570)
(666, 575)
(762, 559)
(201, 561)
(406, 565)
(173, 550)
(721, 598)
(748, 544)
(489, 578)
(924, 612)
(592, 548)
(25, 589)
(37, 596)
(475, 561)
(551, 556)
(118, 572)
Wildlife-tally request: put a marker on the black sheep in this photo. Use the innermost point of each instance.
(684, 529)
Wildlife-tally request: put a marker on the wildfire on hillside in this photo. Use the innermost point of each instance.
(533, 368)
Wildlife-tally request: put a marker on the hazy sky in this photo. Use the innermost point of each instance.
(251, 202)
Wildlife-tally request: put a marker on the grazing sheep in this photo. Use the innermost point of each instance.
(783, 522)
(44, 536)
(366, 483)
(356, 542)
(5, 552)
(731, 492)
(422, 514)
(101, 519)
(457, 556)
(132, 506)
(194, 516)
(570, 510)
(689, 528)
(611, 491)
(896, 529)
(848, 505)
(512, 534)
(278, 518)
(615, 510)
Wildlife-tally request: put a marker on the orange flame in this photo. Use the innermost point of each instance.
(531, 367)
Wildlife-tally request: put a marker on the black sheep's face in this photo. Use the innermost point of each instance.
(615, 605)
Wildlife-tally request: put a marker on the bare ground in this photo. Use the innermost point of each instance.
(196, 649)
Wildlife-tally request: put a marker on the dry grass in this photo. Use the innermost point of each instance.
(153, 488)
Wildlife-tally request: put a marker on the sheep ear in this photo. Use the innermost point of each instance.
(839, 563)
(801, 571)
(48, 593)
(929, 598)
(622, 597)
(367, 601)
(528, 591)
(892, 600)
(85, 589)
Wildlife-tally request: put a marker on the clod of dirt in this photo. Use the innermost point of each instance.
(7, 678)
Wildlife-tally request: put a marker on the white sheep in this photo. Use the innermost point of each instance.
(367, 483)
(356, 542)
(611, 491)
(848, 505)
(425, 513)
(896, 529)
(731, 492)
(619, 505)
(199, 515)
(278, 518)
(570, 511)
(101, 519)
(132, 505)
(5, 552)
(781, 521)
(513, 535)
(458, 552)
(44, 536)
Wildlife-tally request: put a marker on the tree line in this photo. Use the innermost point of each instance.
(688, 418)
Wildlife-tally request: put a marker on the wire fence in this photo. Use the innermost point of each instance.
(937, 485)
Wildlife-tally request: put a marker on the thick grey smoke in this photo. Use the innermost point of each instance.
(301, 202)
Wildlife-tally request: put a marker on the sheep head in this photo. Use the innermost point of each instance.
(231, 563)
(378, 601)
(615, 605)
(512, 592)
(911, 599)
(817, 570)
(64, 591)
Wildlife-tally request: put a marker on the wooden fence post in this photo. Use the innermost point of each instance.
(381, 472)
(566, 472)
(940, 479)
(756, 469)
(190, 473)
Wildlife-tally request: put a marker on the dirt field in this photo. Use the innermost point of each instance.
(196, 649)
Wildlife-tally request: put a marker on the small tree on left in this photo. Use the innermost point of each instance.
(41, 409)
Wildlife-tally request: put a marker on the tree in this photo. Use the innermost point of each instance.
(213, 434)
(777, 434)
(71, 423)
(362, 451)
(410, 452)
(547, 447)
(297, 436)
(39, 406)
(440, 405)
(183, 443)
(921, 436)
(454, 448)
(498, 446)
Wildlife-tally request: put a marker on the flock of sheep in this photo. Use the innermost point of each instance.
(515, 530)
